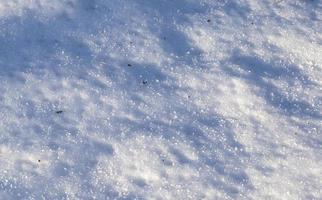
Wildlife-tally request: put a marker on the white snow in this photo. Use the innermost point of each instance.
(160, 99)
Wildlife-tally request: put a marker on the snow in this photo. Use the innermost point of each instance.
(160, 99)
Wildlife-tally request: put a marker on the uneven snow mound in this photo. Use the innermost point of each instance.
(160, 99)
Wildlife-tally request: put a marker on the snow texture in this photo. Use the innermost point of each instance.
(160, 99)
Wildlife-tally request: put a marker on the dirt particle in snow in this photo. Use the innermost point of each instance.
(59, 112)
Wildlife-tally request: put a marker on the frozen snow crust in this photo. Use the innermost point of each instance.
(160, 99)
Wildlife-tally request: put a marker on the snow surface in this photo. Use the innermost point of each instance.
(160, 99)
